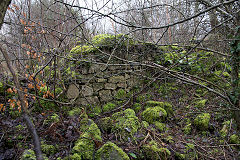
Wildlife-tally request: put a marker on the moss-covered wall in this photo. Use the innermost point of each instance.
(99, 83)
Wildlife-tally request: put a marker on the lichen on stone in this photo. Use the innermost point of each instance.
(111, 151)
(154, 114)
(202, 121)
(153, 151)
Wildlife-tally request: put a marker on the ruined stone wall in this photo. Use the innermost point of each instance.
(100, 83)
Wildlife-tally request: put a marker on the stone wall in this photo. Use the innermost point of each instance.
(100, 83)
(103, 73)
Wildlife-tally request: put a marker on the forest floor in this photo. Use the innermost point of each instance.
(179, 134)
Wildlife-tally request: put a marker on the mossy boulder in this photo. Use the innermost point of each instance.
(160, 126)
(125, 123)
(234, 139)
(108, 107)
(110, 151)
(153, 151)
(75, 112)
(105, 124)
(154, 114)
(85, 145)
(48, 149)
(165, 105)
(225, 129)
(202, 121)
(187, 129)
(30, 155)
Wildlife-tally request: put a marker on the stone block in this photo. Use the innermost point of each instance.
(116, 79)
(87, 90)
(105, 95)
(101, 80)
(111, 86)
(98, 86)
(88, 100)
(122, 85)
(73, 91)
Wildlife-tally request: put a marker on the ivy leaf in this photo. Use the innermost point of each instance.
(133, 155)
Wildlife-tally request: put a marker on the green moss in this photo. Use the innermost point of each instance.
(75, 156)
(201, 103)
(145, 124)
(202, 121)
(19, 127)
(111, 151)
(82, 50)
(30, 155)
(160, 126)
(75, 112)
(153, 151)
(121, 94)
(85, 145)
(225, 128)
(187, 129)
(52, 119)
(137, 107)
(167, 106)
(154, 114)
(234, 139)
(125, 124)
(153, 104)
(58, 90)
(48, 149)
(105, 124)
(108, 107)
(180, 156)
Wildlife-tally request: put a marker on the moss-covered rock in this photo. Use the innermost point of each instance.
(111, 151)
(75, 112)
(200, 103)
(225, 129)
(30, 155)
(137, 107)
(187, 129)
(48, 149)
(121, 94)
(54, 118)
(165, 105)
(85, 145)
(75, 156)
(202, 121)
(154, 114)
(160, 126)
(125, 124)
(234, 139)
(153, 151)
(105, 124)
(108, 107)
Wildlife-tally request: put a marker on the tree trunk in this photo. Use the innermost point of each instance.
(3, 8)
